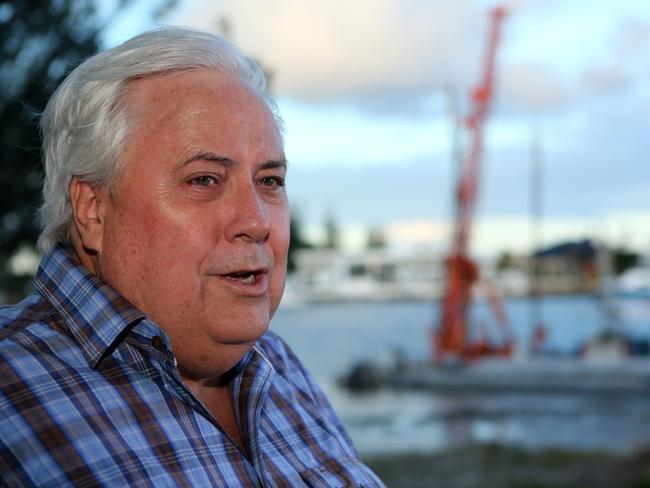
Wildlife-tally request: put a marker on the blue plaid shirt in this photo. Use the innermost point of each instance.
(90, 396)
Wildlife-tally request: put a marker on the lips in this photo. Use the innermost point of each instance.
(245, 277)
(245, 282)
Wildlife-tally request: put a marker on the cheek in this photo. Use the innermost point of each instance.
(123, 231)
(143, 236)
(280, 251)
(281, 241)
(167, 228)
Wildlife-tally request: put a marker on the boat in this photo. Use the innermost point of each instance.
(634, 283)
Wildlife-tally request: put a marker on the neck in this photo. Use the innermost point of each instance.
(215, 395)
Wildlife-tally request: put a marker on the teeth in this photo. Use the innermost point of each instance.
(248, 278)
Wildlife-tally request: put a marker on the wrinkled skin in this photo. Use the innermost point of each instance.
(195, 230)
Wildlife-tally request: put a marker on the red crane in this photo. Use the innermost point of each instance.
(451, 340)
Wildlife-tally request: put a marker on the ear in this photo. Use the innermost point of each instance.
(88, 203)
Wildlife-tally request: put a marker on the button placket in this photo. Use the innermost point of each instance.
(158, 343)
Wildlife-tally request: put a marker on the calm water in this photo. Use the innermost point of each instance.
(331, 337)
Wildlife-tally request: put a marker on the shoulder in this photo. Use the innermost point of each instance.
(297, 386)
(292, 379)
(16, 319)
(282, 357)
(276, 349)
(33, 343)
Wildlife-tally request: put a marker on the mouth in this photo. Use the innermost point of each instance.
(246, 277)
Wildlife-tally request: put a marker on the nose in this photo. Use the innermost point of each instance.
(249, 220)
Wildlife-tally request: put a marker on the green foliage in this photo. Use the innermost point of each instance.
(376, 239)
(297, 241)
(503, 466)
(642, 482)
(332, 235)
(624, 259)
(40, 41)
(505, 261)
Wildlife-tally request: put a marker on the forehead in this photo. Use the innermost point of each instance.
(202, 103)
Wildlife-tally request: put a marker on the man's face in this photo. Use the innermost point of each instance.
(196, 230)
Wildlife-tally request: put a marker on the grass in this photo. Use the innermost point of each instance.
(499, 466)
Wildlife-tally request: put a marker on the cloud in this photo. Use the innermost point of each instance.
(625, 63)
(365, 49)
(532, 87)
(388, 56)
(606, 79)
(633, 38)
(584, 66)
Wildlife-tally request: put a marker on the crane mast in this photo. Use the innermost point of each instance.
(451, 341)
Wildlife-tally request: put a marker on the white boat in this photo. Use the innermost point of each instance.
(634, 283)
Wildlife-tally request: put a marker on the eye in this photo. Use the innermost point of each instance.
(203, 180)
(272, 181)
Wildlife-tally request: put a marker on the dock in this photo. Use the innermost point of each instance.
(544, 375)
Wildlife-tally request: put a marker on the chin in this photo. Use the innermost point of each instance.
(243, 332)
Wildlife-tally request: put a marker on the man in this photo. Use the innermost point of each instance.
(143, 357)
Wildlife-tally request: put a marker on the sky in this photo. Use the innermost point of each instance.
(369, 91)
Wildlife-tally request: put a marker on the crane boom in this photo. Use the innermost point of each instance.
(451, 340)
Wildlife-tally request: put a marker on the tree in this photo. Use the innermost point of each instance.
(505, 261)
(297, 241)
(332, 236)
(624, 259)
(376, 239)
(40, 41)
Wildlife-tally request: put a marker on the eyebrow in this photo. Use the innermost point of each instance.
(209, 156)
(225, 161)
(273, 163)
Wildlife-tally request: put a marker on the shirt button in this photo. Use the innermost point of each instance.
(158, 343)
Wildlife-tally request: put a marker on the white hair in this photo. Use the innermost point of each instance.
(86, 122)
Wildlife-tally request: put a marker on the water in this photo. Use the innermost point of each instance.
(329, 338)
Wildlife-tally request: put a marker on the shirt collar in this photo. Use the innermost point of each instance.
(94, 312)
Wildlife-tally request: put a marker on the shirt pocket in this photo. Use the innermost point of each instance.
(345, 472)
